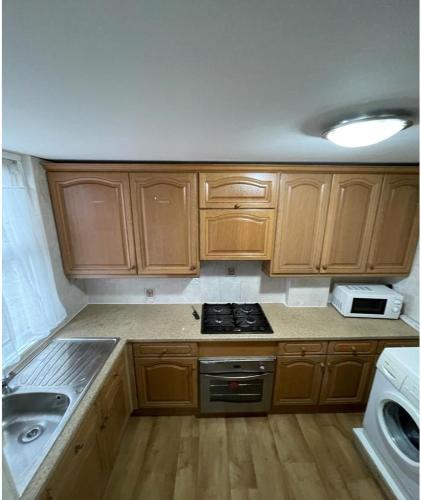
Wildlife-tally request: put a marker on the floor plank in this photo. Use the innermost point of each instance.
(279, 457)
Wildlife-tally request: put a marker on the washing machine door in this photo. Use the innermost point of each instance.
(399, 421)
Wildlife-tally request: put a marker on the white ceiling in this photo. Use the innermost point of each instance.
(233, 80)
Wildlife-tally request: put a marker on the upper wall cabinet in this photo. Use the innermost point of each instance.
(350, 220)
(165, 216)
(238, 190)
(396, 228)
(302, 210)
(94, 222)
(236, 234)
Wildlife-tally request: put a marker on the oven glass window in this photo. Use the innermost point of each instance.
(403, 430)
(236, 391)
(368, 306)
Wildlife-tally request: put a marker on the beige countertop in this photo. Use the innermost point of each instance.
(175, 323)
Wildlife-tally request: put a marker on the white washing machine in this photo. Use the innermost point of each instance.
(389, 437)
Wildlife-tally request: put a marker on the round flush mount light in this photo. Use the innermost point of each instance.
(366, 130)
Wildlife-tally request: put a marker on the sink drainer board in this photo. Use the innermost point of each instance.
(44, 395)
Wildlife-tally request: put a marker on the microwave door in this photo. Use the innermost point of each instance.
(368, 306)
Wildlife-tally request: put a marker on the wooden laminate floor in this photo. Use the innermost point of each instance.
(308, 456)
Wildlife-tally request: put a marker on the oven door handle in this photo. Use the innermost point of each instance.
(235, 377)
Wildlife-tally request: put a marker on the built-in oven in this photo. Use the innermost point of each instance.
(236, 385)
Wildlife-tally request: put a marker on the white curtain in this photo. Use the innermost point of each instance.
(31, 306)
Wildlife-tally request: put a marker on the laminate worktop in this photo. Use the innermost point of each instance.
(175, 323)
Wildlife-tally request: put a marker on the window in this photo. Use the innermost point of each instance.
(31, 306)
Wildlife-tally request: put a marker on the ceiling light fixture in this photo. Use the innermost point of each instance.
(366, 130)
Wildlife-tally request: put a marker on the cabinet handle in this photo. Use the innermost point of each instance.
(132, 268)
(329, 366)
(322, 366)
(317, 268)
(236, 205)
(78, 447)
(303, 350)
(193, 268)
(371, 267)
(324, 268)
(354, 349)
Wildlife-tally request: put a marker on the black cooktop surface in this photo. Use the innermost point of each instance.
(234, 318)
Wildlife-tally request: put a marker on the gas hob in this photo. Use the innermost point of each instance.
(234, 318)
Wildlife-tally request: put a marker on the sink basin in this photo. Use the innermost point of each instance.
(45, 393)
(29, 422)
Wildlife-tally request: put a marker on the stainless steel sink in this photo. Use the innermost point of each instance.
(43, 396)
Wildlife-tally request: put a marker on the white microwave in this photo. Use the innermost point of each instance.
(367, 301)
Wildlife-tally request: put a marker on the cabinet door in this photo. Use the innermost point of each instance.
(352, 210)
(166, 222)
(302, 211)
(166, 383)
(238, 190)
(396, 229)
(94, 222)
(298, 380)
(81, 472)
(347, 379)
(236, 234)
(115, 412)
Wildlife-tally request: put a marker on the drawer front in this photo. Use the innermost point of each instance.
(357, 347)
(181, 349)
(238, 190)
(236, 234)
(383, 344)
(303, 348)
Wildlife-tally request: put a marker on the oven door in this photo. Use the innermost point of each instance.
(232, 393)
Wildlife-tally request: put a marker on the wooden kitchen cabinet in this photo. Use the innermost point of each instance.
(166, 382)
(115, 411)
(302, 211)
(347, 379)
(395, 234)
(94, 222)
(165, 214)
(236, 234)
(298, 380)
(352, 210)
(82, 471)
(238, 190)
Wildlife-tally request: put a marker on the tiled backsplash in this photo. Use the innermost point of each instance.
(249, 284)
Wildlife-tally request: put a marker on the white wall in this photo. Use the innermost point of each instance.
(410, 288)
(71, 294)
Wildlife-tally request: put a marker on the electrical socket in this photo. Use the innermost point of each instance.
(231, 271)
(149, 292)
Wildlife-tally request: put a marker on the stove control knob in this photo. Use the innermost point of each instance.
(261, 367)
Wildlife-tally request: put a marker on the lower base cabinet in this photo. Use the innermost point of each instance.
(346, 379)
(166, 382)
(83, 470)
(298, 380)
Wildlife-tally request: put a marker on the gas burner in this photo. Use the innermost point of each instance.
(234, 318)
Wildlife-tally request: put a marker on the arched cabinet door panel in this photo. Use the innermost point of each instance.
(302, 211)
(166, 382)
(352, 210)
(238, 190)
(298, 380)
(236, 234)
(94, 222)
(165, 216)
(347, 379)
(396, 228)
